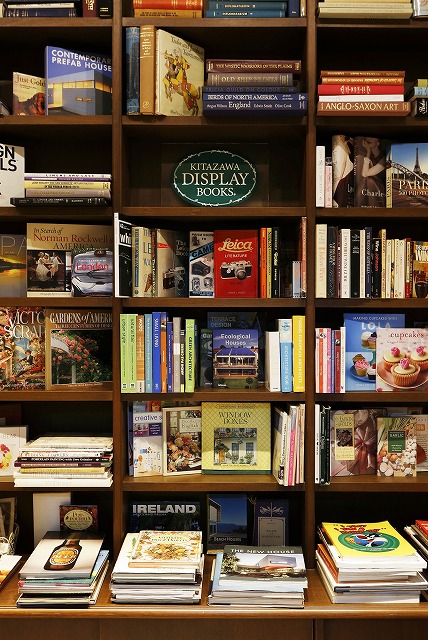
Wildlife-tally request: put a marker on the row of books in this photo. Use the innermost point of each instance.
(372, 9)
(57, 8)
(363, 93)
(370, 563)
(350, 442)
(371, 352)
(363, 171)
(417, 95)
(40, 188)
(362, 263)
(241, 86)
(197, 9)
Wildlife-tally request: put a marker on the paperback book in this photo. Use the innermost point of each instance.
(147, 448)
(236, 262)
(402, 360)
(271, 525)
(170, 263)
(13, 265)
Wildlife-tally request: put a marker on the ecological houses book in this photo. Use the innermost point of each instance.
(360, 347)
(402, 360)
(236, 437)
(22, 348)
(235, 358)
(78, 349)
(69, 260)
(77, 82)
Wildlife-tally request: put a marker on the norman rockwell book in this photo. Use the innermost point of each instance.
(180, 68)
(13, 265)
(406, 174)
(236, 263)
(167, 548)
(227, 520)
(236, 437)
(182, 429)
(164, 515)
(78, 349)
(77, 82)
(235, 358)
(22, 348)
(28, 95)
(12, 168)
(69, 260)
(402, 359)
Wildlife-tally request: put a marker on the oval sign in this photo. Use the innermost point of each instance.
(214, 178)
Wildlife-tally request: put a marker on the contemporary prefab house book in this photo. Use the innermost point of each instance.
(77, 83)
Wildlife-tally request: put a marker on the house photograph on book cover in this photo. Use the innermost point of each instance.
(235, 358)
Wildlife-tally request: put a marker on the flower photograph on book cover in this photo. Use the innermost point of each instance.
(77, 357)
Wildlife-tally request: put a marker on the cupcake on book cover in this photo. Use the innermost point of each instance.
(402, 360)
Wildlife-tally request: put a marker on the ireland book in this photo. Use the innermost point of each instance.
(164, 515)
(78, 349)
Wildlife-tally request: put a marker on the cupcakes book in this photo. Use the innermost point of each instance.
(402, 360)
(361, 345)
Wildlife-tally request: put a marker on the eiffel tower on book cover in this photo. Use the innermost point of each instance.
(407, 175)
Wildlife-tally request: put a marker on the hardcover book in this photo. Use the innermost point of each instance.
(28, 95)
(360, 348)
(396, 446)
(22, 348)
(236, 263)
(147, 441)
(201, 264)
(343, 170)
(180, 66)
(13, 265)
(227, 520)
(142, 278)
(122, 228)
(77, 82)
(182, 428)
(369, 172)
(419, 269)
(406, 174)
(8, 565)
(402, 359)
(236, 437)
(78, 349)
(167, 548)
(69, 260)
(12, 439)
(78, 517)
(271, 522)
(235, 358)
(12, 168)
(164, 515)
(170, 263)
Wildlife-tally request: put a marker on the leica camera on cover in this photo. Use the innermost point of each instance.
(239, 270)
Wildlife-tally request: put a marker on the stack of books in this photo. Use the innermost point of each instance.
(371, 10)
(369, 563)
(69, 461)
(38, 9)
(418, 98)
(57, 189)
(158, 567)
(167, 8)
(418, 534)
(256, 576)
(362, 93)
(253, 86)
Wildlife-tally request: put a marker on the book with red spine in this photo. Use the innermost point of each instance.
(236, 256)
(359, 89)
(168, 4)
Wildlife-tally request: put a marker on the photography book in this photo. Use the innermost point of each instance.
(13, 265)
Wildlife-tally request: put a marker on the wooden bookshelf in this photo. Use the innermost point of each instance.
(130, 149)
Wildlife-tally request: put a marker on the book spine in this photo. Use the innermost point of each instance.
(336, 358)
(272, 361)
(105, 8)
(359, 89)
(296, 279)
(363, 79)
(269, 262)
(168, 13)
(330, 73)
(419, 107)
(263, 259)
(147, 69)
(295, 8)
(275, 262)
(163, 351)
(409, 271)
(39, 12)
(156, 351)
(148, 353)
(369, 260)
(302, 252)
(207, 91)
(286, 354)
(321, 260)
(132, 69)
(176, 330)
(319, 176)
(90, 8)
(232, 106)
(388, 267)
(75, 191)
(345, 267)
(168, 4)
(237, 13)
(317, 443)
(382, 235)
(205, 358)
(376, 268)
(58, 202)
(355, 263)
(332, 234)
(254, 96)
(169, 357)
(250, 66)
(249, 79)
(342, 359)
(132, 351)
(247, 6)
(298, 353)
(363, 266)
(368, 108)
(328, 182)
(123, 324)
(182, 360)
(291, 449)
(140, 355)
(189, 384)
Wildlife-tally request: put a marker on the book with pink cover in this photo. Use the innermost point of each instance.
(402, 359)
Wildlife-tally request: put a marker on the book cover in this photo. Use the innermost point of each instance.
(343, 170)
(235, 358)
(164, 515)
(236, 263)
(396, 446)
(236, 437)
(77, 517)
(402, 359)
(12, 168)
(13, 265)
(360, 348)
(206, 358)
(419, 269)
(78, 349)
(299, 360)
(147, 441)
(369, 539)
(273, 361)
(22, 348)
(182, 440)
(63, 555)
(141, 260)
(201, 264)
(170, 261)
(353, 441)
(265, 65)
(72, 260)
(28, 95)
(12, 439)
(227, 520)
(180, 66)
(285, 329)
(271, 522)
(122, 229)
(8, 565)
(369, 172)
(407, 168)
(167, 548)
(132, 70)
(77, 82)
(280, 426)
